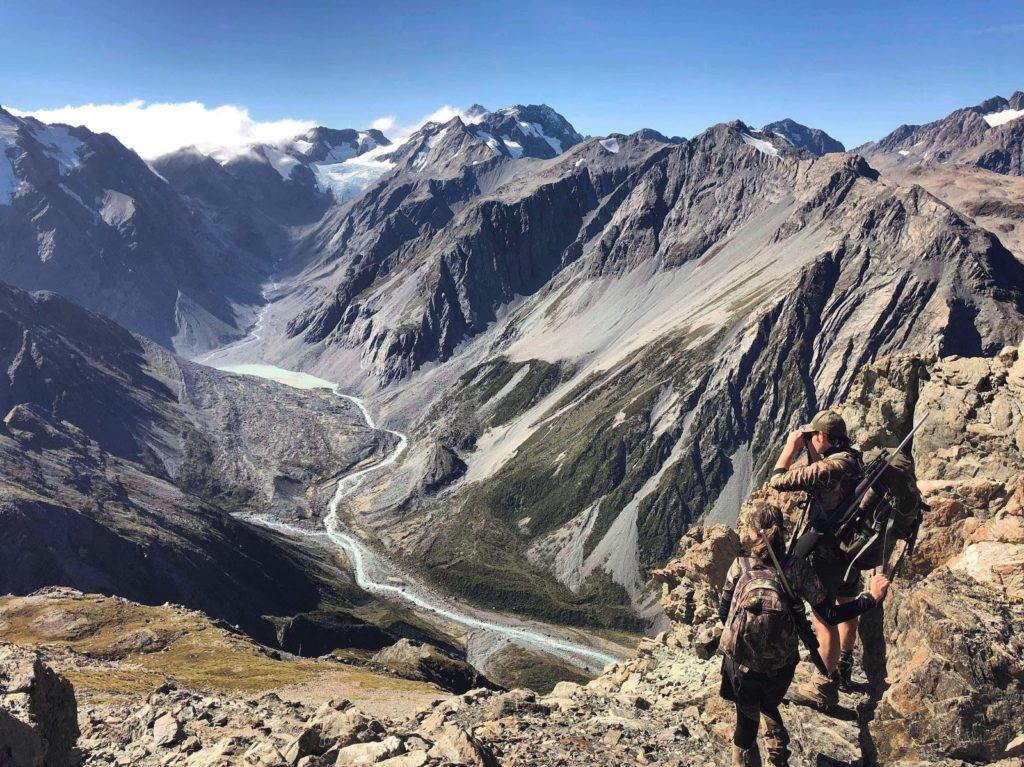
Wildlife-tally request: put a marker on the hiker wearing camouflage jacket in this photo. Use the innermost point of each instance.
(833, 470)
(759, 640)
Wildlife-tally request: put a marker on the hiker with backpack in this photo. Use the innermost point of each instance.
(832, 472)
(760, 608)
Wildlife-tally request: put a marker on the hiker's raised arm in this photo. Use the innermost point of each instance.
(794, 443)
(824, 473)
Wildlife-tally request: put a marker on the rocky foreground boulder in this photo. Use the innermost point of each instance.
(38, 713)
(421, 660)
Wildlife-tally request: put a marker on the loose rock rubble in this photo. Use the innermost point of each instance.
(184, 727)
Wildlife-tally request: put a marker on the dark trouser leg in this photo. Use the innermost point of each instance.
(744, 738)
(776, 738)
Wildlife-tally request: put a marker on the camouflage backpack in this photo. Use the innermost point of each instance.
(759, 634)
(892, 502)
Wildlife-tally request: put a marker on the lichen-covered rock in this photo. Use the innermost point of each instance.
(692, 582)
(955, 658)
(975, 426)
(880, 407)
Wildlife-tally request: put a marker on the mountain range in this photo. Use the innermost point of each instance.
(592, 343)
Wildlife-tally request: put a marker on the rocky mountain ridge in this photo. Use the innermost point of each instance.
(989, 135)
(584, 345)
(814, 140)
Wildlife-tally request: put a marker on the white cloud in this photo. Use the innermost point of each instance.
(155, 129)
(401, 133)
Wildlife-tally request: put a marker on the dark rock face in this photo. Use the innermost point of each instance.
(442, 468)
(38, 712)
(814, 140)
(89, 219)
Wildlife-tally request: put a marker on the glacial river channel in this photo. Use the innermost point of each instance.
(378, 575)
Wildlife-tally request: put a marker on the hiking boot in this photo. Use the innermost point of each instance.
(845, 670)
(746, 757)
(845, 673)
(776, 746)
(819, 692)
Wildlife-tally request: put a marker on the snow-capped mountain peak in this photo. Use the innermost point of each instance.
(23, 134)
(478, 135)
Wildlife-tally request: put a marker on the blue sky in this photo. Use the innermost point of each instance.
(857, 70)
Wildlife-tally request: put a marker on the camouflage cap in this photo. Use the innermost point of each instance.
(827, 422)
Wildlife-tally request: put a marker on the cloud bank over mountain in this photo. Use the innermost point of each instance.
(155, 129)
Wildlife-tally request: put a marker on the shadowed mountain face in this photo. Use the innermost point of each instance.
(82, 215)
(989, 135)
(123, 466)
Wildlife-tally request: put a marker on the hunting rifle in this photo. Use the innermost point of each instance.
(797, 611)
(839, 520)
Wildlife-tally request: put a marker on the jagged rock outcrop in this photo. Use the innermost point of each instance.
(38, 713)
(955, 660)
(692, 583)
(442, 467)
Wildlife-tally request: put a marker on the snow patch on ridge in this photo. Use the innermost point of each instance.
(347, 179)
(537, 131)
(57, 143)
(612, 145)
(762, 146)
(1003, 117)
(117, 208)
(283, 163)
(514, 147)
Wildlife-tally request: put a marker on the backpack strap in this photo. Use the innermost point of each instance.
(908, 548)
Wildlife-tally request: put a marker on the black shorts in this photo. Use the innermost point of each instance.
(752, 688)
(830, 566)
